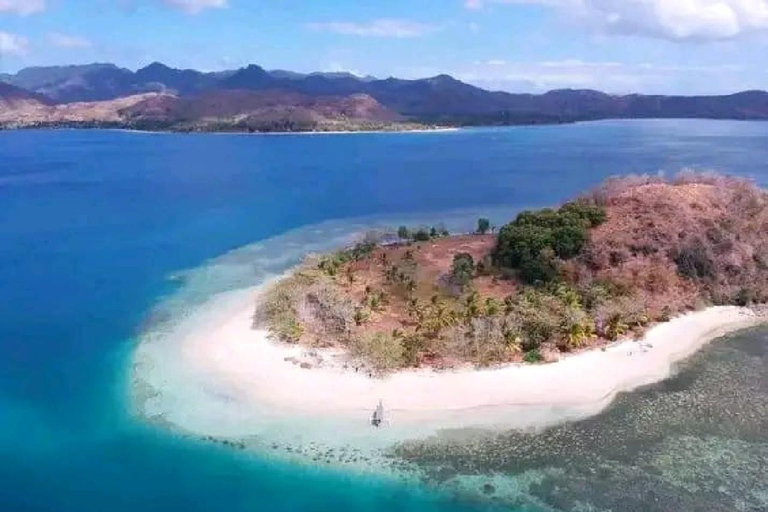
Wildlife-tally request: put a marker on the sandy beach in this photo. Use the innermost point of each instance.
(213, 374)
(247, 359)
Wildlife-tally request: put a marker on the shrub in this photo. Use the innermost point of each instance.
(403, 233)
(577, 328)
(422, 235)
(331, 264)
(326, 306)
(380, 351)
(463, 269)
(413, 345)
(694, 261)
(482, 341)
(585, 211)
(533, 356)
(360, 316)
(593, 295)
(568, 241)
(542, 268)
(277, 308)
(746, 296)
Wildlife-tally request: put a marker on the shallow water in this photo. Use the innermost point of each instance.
(98, 229)
(698, 441)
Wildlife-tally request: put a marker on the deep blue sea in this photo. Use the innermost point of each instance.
(94, 225)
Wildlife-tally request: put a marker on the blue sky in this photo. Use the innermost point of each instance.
(620, 46)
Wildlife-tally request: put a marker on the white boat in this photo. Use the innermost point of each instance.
(377, 418)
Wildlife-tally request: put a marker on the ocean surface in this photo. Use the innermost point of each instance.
(104, 234)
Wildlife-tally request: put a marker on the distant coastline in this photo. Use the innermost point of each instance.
(131, 129)
(388, 129)
(253, 99)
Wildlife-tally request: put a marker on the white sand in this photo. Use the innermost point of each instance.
(214, 375)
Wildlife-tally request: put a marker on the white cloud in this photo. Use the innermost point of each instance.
(68, 41)
(196, 6)
(11, 44)
(22, 7)
(393, 28)
(670, 19)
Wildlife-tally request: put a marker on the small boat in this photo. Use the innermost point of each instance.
(377, 419)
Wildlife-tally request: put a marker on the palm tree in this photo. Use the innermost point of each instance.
(492, 307)
(471, 307)
(416, 310)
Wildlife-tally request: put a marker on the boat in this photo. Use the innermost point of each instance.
(377, 418)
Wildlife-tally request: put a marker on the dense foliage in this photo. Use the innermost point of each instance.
(534, 241)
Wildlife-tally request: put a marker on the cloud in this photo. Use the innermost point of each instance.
(392, 28)
(680, 20)
(195, 6)
(68, 41)
(11, 44)
(22, 7)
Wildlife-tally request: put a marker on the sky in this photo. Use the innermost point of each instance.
(618, 46)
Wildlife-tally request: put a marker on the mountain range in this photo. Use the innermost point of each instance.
(241, 99)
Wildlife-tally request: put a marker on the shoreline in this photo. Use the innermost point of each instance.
(212, 375)
(220, 132)
(257, 364)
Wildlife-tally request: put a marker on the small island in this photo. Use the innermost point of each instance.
(541, 319)
(634, 252)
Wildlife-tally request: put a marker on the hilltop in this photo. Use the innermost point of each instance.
(634, 252)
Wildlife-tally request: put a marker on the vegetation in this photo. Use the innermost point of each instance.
(463, 269)
(636, 251)
(422, 233)
(533, 242)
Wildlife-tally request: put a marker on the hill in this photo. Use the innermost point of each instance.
(439, 99)
(12, 97)
(235, 110)
(634, 252)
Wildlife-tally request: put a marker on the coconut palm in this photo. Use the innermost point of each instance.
(472, 307)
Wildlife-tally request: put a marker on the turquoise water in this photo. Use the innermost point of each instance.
(97, 229)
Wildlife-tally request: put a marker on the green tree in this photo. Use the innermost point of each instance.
(483, 225)
(403, 233)
(421, 235)
(535, 241)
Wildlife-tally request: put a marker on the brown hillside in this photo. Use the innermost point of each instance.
(261, 106)
(697, 236)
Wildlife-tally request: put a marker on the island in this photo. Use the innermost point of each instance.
(413, 332)
(633, 253)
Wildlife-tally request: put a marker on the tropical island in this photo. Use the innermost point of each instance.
(634, 252)
(541, 320)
